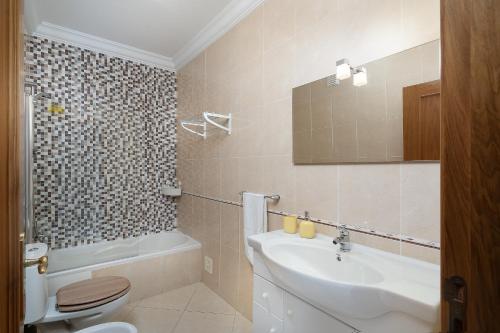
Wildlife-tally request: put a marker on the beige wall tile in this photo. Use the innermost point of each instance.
(309, 12)
(420, 20)
(274, 222)
(153, 276)
(279, 72)
(212, 217)
(230, 227)
(316, 188)
(315, 49)
(211, 248)
(248, 80)
(327, 230)
(278, 22)
(185, 214)
(221, 57)
(248, 127)
(420, 200)
(431, 61)
(245, 290)
(383, 244)
(368, 30)
(229, 179)
(369, 196)
(229, 273)
(250, 72)
(211, 177)
(421, 253)
(279, 176)
(249, 37)
(277, 127)
(250, 174)
(198, 222)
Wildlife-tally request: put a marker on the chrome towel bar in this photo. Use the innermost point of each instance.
(274, 197)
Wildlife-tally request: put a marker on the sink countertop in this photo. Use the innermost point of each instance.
(367, 283)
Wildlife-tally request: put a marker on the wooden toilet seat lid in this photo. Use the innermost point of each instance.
(91, 293)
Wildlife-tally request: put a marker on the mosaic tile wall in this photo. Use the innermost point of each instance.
(100, 164)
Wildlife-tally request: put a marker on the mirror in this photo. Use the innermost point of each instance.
(393, 118)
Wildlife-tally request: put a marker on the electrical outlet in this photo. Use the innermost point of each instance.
(209, 265)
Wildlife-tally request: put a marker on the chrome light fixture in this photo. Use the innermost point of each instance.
(359, 77)
(343, 69)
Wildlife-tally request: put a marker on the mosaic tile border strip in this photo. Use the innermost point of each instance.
(354, 228)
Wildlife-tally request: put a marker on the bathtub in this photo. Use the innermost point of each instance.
(153, 263)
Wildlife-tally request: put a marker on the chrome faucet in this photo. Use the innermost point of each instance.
(343, 240)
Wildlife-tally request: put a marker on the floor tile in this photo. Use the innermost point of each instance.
(176, 299)
(205, 300)
(149, 320)
(197, 322)
(242, 325)
(122, 313)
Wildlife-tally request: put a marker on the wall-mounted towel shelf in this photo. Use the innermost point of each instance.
(196, 124)
(199, 126)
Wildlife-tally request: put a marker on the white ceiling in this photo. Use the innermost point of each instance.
(168, 28)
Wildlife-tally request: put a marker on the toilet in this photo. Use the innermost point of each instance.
(81, 304)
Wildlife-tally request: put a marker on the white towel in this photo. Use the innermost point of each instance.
(254, 218)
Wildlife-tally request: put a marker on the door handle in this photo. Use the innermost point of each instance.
(455, 293)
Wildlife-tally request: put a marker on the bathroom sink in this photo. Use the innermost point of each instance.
(365, 284)
(317, 261)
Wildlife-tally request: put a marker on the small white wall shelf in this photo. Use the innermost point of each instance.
(199, 126)
(202, 127)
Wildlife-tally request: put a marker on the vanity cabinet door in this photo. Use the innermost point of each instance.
(264, 321)
(269, 296)
(302, 317)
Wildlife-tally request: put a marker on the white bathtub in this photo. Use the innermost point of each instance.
(153, 263)
(119, 251)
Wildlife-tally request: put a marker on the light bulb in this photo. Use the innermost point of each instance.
(360, 78)
(343, 69)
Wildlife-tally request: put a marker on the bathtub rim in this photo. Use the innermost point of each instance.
(191, 244)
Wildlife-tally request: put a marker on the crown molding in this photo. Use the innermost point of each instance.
(233, 13)
(106, 46)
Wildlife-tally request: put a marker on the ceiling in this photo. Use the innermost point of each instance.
(163, 27)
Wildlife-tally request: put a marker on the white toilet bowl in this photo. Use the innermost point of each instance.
(110, 328)
(43, 309)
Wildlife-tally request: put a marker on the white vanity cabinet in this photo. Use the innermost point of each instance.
(275, 311)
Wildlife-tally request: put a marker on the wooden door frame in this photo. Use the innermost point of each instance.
(11, 92)
(470, 157)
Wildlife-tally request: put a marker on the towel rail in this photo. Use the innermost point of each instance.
(275, 197)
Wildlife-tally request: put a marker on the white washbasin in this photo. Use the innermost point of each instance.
(317, 261)
(365, 284)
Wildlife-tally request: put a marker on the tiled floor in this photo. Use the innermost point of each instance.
(191, 309)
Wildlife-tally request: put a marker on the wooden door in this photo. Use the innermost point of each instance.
(421, 121)
(11, 249)
(470, 164)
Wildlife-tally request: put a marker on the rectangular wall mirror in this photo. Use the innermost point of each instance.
(394, 117)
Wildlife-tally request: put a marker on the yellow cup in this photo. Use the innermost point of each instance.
(290, 224)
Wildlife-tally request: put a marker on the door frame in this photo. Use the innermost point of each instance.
(470, 159)
(11, 92)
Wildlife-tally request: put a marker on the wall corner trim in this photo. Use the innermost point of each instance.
(231, 15)
(93, 43)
